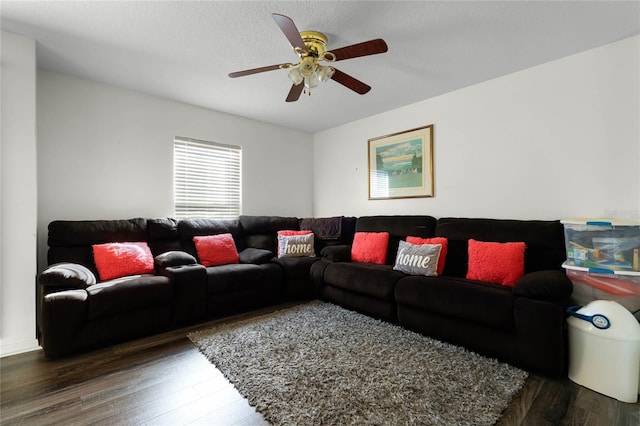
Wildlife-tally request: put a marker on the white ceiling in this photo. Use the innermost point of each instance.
(184, 50)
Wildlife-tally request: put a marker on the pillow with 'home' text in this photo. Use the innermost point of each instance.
(296, 245)
(418, 259)
(288, 233)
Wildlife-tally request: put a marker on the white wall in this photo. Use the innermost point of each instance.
(18, 195)
(558, 140)
(107, 153)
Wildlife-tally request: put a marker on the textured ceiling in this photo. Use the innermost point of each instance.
(184, 50)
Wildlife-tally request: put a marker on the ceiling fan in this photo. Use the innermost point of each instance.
(311, 47)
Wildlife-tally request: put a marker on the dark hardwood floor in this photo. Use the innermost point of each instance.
(164, 380)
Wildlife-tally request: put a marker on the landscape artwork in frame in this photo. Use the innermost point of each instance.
(401, 164)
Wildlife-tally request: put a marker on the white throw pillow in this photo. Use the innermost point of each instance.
(418, 259)
(296, 246)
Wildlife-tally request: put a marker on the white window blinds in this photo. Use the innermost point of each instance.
(206, 178)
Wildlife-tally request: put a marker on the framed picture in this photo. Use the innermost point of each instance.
(401, 164)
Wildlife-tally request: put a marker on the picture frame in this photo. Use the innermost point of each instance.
(401, 165)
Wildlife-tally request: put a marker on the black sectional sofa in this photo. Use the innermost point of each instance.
(523, 325)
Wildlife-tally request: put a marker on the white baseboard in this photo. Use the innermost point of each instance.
(14, 348)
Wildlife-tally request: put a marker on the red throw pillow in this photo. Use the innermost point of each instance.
(214, 250)
(115, 260)
(370, 247)
(436, 240)
(500, 263)
(288, 233)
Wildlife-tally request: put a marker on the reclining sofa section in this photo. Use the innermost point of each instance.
(75, 314)
(523, 325)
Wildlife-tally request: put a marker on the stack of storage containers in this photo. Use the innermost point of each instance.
(603, 260)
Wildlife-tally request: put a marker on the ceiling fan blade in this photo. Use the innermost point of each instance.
(371, 47)
(294, 93)
(290, 31)
(256, 70)
(349, 82)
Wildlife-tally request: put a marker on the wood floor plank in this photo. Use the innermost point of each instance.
(230, 414)
(195, 409)
(628, 414)
(593, 405)
(519, 406)
(146, 384)
(551, 405)
(164, 380)
(145, 412)
(142, 407)
(255, 419)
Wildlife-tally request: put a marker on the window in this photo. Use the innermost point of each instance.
(206, 179)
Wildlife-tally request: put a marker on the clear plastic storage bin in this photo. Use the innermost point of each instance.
(617, 286)
(608, 244)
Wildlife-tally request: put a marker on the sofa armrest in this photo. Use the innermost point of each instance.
(338, 253)
(63, 315)
(63, 276)
(544, 285)
(190, 291)
(541, 336)
(174, 258)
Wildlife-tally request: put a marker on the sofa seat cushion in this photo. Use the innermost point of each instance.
(363, 278)
(298, 267)
(255, 256)
(125, 294)
(234, 278)
(473, 301)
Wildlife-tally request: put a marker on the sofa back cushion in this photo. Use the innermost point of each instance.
(544, 241)
(72, 240)
(189, 228)
(347, 231)
(398, 227)
(261, 232)
(163, 235)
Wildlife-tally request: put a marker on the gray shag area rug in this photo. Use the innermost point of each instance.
(319, 364)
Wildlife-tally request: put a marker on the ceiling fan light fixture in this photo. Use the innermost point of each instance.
(310, 72)
(308, 66)
(295, 76)
(324, 73)
(310, 82)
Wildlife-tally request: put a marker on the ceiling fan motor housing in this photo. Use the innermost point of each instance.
(316, 44)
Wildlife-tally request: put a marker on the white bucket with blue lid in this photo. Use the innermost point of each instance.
(604, 349)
